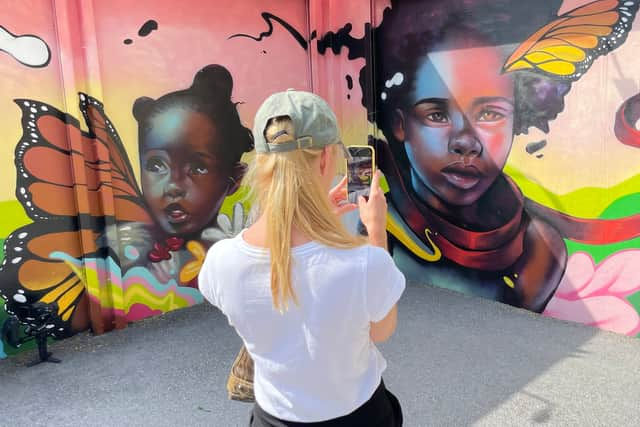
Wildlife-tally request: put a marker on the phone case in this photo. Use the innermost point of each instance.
(353, 191)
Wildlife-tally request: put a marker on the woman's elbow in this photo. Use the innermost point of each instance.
(383, 330)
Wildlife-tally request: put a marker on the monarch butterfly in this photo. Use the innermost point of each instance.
(90, 185)
(566, 47)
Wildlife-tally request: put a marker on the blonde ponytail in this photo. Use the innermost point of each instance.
(288, 191)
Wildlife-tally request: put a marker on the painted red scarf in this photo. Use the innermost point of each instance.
(499, 248)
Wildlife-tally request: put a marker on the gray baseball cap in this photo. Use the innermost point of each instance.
(315, 124)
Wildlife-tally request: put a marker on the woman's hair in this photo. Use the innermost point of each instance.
(288, 192)
(209, 94)
(410, 30)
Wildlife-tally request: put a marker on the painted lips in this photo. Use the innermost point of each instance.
(176, 213)
(463, 177)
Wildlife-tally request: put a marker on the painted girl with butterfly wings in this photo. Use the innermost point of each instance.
(99, 250)
(449, 107)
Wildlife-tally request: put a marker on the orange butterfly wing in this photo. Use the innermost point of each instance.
(128, 205)
(29, 275)
(95, 176)
(567, 47)
(71, 184)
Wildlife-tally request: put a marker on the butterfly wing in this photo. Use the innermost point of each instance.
(71, 184)
(92, 175)
(128, 203)
(38, 267)
(566, 47)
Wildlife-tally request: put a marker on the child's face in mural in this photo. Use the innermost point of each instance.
(458, 126)
(183, 179)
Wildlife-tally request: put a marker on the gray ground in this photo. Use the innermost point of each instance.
(454, 361)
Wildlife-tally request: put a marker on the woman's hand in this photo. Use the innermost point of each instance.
(373, 213)
(338, 199)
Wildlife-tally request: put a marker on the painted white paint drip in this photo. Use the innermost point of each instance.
(396, 80)
(28, 50)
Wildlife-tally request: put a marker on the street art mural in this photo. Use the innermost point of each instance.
(466, 99)
(186, 172)
(125, 178)
(454, 83)
(507, 132)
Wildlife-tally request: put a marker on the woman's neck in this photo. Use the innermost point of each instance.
(256, 234)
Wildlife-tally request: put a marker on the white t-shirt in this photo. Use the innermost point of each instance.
(316, 361)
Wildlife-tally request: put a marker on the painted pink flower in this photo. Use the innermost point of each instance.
(596, 295)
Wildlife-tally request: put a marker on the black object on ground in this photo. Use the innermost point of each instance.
(38, 330)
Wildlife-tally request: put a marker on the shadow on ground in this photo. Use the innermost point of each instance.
(455, 360)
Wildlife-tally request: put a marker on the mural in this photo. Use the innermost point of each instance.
(477, 109)
(108, 229)
(507, 132)
(458, 220)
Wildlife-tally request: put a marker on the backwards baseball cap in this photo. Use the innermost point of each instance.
(315, 124)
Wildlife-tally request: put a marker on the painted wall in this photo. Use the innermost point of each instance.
(507, 132)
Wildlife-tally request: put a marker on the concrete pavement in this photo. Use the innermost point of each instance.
(454, 361)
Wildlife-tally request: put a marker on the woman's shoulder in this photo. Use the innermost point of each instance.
(376, 258)
(365, 250)
(223, 245)
(223, 248)
(360, 255)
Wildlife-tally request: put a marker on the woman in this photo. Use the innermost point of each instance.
(307, 298)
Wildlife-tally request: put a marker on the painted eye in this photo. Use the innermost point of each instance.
(490, 116)
(199, 169)
(438, 117)
(156, 165)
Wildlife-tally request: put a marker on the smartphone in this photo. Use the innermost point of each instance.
(360, 170)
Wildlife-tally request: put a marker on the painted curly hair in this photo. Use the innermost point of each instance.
(209, 94)
(410, 29)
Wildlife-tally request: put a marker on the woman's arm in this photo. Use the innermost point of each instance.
(382, 330)
(373, 213)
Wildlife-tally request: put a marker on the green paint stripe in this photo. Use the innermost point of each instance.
(625, 206)
(12, 216)
(587, 202)
(600, 252)
(635, 301)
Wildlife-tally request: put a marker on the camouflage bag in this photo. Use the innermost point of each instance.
(240, 381)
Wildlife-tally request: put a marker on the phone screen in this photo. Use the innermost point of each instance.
(359, 172)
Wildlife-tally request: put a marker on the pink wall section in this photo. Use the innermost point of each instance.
(574, 173)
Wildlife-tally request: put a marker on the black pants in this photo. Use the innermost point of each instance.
(382, 410)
